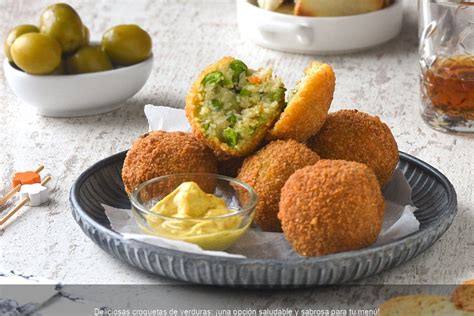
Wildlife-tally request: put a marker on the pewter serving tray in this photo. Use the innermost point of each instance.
(432, 193)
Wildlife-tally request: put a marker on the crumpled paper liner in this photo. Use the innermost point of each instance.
(399, 220)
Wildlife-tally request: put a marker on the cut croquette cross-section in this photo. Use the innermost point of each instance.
(267, 171)
(331, 206)
(308, 104)
(231, 107)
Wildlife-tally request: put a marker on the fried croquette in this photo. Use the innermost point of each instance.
(420, 304)
(308, 104)
(336, 7)
(463, 296)
(357, 136)
(231, 107)
(161, 153)
(267, 171)
(332, 206)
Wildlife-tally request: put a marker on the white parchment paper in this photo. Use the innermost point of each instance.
(399, 220)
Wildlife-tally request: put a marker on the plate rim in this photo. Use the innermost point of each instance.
(373, 250)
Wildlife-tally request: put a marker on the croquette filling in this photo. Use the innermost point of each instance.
(237, 101)
(294, 91)
(308, 72)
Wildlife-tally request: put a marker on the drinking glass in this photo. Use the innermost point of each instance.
(446, 33)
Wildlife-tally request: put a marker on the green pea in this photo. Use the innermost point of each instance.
(216, 104)
(232, 119)
(213, 77)
(230, 136)
(238, 67)
(244, 92)
(276, 95)
(227, 83)
(206, 126)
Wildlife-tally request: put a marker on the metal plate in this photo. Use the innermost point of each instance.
(432, 193)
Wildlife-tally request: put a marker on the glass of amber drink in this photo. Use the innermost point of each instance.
(446, 32)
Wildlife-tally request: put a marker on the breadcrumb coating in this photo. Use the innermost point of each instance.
(420, 305)
(463, 296)
(267, 171)
(161, 153)
(357, 136)
(332, 206)
(308, 107)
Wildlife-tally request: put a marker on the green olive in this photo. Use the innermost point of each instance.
(88, 59)
(127, 44)
(85, 36)
(14, 34)
(61, 22)
(36, 53)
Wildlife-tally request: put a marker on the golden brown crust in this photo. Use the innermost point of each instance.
(330, 207)
(336, 7)
(267, 171)
(463, 296)
(306, 113)
(420, 305)
(222, 150)
(357, 136)
(302, 11)
(160, 153)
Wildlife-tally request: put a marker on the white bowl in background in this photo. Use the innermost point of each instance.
(78, 95)
(318, 35)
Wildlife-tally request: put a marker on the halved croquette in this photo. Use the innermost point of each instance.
(308, 104)
(231, 107)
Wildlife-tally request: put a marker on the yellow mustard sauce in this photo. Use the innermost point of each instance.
(191, 216)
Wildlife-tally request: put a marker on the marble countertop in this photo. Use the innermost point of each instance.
(188, 35)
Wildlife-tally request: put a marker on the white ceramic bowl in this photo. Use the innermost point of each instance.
(318, 35)
(78, 95)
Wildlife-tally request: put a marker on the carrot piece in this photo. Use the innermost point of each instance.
(255, 79)
(28, 177)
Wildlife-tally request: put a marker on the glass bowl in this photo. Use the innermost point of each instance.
(210, 233)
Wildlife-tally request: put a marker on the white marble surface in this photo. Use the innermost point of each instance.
(187, 36)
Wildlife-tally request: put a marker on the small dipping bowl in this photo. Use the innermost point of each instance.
(78, 95)
(211, 233)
